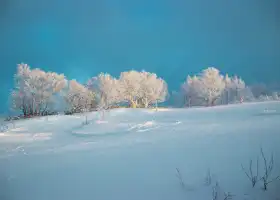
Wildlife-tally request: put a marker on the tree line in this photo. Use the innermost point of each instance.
(37, 92)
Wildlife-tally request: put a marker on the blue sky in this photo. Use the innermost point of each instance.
(172, 38)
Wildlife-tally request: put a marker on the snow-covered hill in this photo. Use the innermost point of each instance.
(133, 155)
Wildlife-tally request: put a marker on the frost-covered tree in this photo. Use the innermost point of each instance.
(152, 89)
(275, 96)
(161, 93)
(78, 97)
(237, 86)
(211, 85)
(191, 90)
(20, 95)
(247, 94)
(225, 98)
(142, 89)
(130, 82)
(233, 91)
(264, 98)
(34, 90)
(107, 89)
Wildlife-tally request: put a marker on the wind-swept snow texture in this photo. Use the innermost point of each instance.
(133, 155)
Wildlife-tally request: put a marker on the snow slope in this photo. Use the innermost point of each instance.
(133, 155)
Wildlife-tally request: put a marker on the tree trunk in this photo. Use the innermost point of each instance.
(24, 110)
(102, 114)
(189, 101)
(132, 104)
(146, 102)
(45, 109)
(227, 96)
(185, 100)
(30, 110)
(211, 102)
(156, 105)
(24, 107)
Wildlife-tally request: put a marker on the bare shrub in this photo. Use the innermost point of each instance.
(217, 192)
(266, 177)
(253, 178)
(268, 167)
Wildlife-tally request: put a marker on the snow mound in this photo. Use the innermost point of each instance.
(143, 127)
(42, 136)
(161, 109)
(101, 122)
(269, 111)
(19, 129)
(99, 128)
(23, 137)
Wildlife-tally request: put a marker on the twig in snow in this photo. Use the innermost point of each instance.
(268, 167)
(215, 191)
(86, 122)
(208, 178)
(182, 183)
(228, 196)
(253, 178)
(180, 177)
